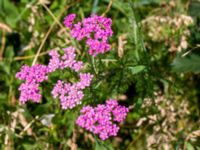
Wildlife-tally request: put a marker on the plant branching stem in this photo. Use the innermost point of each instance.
(108, 8)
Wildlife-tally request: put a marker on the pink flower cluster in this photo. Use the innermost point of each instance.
(96, 30)
(32, 76)
(67, 60)
(100, 120)
(69, 19)
(69, 94)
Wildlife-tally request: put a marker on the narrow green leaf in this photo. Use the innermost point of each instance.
(137, 69)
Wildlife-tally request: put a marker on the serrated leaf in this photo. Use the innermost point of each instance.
(187, 64)
(136, 69)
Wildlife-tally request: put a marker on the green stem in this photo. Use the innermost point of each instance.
(95, 6)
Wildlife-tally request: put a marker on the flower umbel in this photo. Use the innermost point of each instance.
(95, 29)
(67, 60)
(32, 76)
(99, 119)
(70, 94)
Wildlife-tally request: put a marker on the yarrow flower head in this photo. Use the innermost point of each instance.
(29, 91)
(37, 73)
(101, 119)
(32, 76)
(70, 94)
(96, 30)
(67, 60)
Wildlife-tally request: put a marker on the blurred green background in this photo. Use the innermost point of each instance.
(153, 68)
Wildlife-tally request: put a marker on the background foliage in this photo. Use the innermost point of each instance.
(153, 68)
